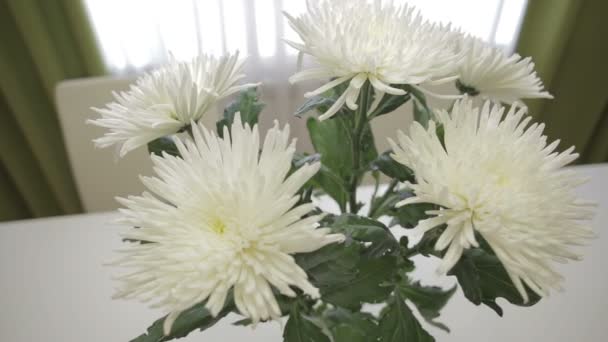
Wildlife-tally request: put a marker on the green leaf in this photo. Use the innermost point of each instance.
(441, 134)
(386, 204)
(331, 265)
(197, 317)
(314, 103)
(368, 149)
(331, 184)
(380, 205)
(321, 103)
(422, 112)
(298, 160)
(483, 279)
(332, 140)
(325, 179)
(247, 104)
(353, 272)
(426, 245)
(333, 94)
(352, 332)
(398, 323)
(389, 103)
(428, 299)
(367, 286)
(348, 326)
(243, 322)
(390, 167)
(407, 216)
(300, 329)
(164, 144)
(365, 229)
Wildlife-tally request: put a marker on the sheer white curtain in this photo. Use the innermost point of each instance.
(136, 34)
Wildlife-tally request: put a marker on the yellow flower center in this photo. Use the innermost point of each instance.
(502, 180)
(218, 226)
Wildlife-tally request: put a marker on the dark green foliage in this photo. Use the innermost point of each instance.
(333, 140)
(330, 139)
(299, 160)
(197, 317)
(367, 286)
(345, 278)
(390, 167)
(301, 329)
(426, 245)
(314, 103)
(389, 104)
(348, 326)
(441, 134)
(247, 104)
(354, 272)
(331, 265)
(163, 144)
(398, 323)
(368, 150)
(483, 279)
(422, 112)
(428, 299)
(364, 229)
(407, 216)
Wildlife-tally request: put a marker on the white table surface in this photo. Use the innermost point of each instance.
(53, 287)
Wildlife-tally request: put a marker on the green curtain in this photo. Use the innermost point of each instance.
(43, 42)
(567, 41)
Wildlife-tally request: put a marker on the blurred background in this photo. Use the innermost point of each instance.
(59, 58)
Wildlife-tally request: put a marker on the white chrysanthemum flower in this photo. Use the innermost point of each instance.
(497, 177)
(221, 218)
(166, 100)
(493, 74)
(355, 41)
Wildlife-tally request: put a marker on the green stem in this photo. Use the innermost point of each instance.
(374, 208)
(361, 122)
(375, 192)
(412, 253)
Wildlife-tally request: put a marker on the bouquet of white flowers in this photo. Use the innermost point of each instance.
(229, 223)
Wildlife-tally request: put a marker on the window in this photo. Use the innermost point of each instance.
(135, 34)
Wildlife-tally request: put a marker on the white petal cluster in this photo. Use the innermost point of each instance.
(496, 176)
(164, 101)
(221, 218)
(357, 40)
(491, 73)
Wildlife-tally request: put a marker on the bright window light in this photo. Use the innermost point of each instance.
(209, 22)
(135, 34)
(265, 22)
(234, 25)
(509, 23)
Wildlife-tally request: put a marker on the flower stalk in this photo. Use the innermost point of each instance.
(376, 205)
(361, 122)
